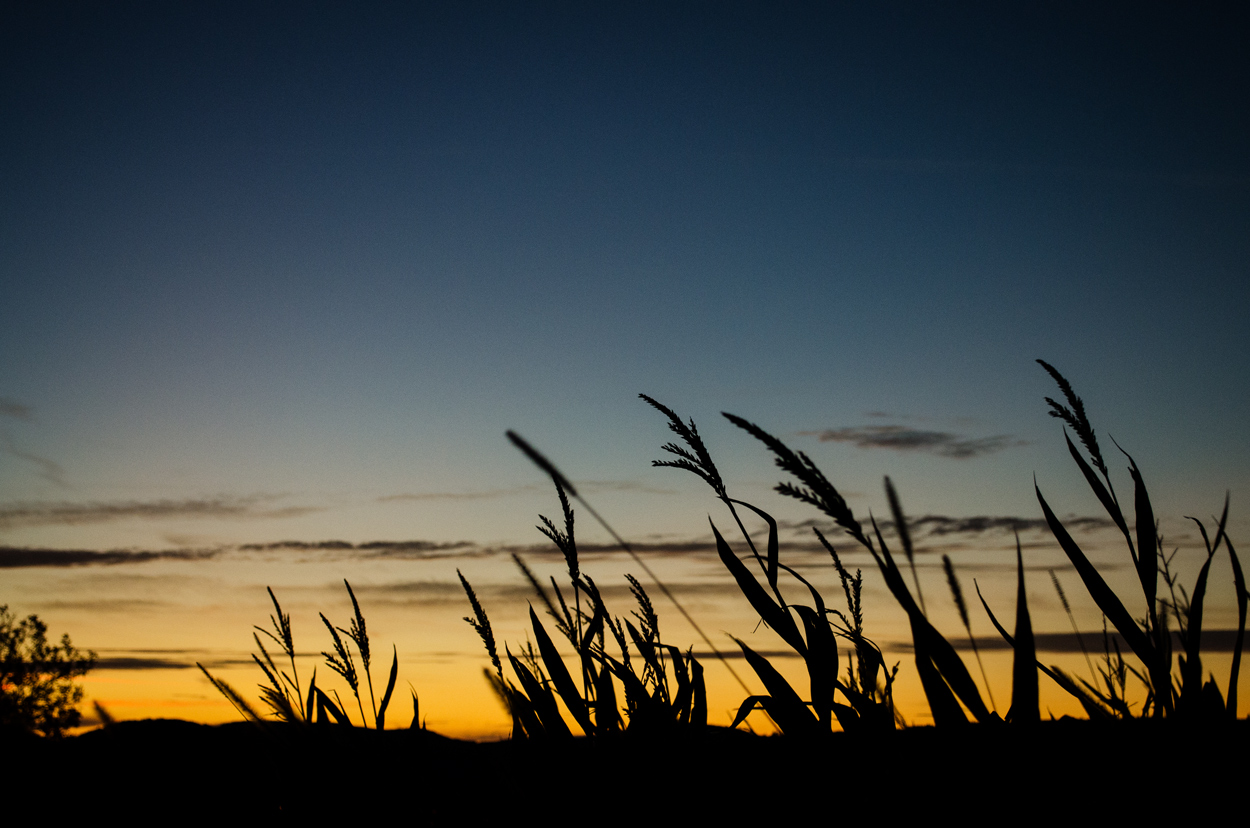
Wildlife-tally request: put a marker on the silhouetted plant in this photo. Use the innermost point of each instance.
(945, 679)
(1148, 637)
(669, 691)
(282, 693)
(37, 688)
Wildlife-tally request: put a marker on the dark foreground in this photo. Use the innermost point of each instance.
(1059, 772)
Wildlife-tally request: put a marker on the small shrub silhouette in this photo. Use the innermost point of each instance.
(37, 688)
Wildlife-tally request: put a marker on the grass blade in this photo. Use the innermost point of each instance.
(1102, 594)
(1147, 540)
(941, 670)
(1191, 672)
(1239, 583)
(390, 688)
(560, 675)
(782, 703)
(416, 711)
(232, 696)
(773, 545)
(326, 705)
(1092, 708)
(772, 615)
(1024, 700)
(698, 708)
(540, 699)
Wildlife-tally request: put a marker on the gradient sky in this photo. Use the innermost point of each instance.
(288, 273)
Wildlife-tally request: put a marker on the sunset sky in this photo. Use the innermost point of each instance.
(283, 274)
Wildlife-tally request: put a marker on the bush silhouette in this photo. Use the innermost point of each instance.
(37, 689)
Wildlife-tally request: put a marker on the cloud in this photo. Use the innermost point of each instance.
(140, 663)
(376, 549)
(483, 494)
(983, 524)
(14, 557)
(529, 488)
(47, 469)
(14, 409)
(977, 525)
(902, 438)
(72, 514)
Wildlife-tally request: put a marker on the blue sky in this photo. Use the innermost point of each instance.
(289, 273)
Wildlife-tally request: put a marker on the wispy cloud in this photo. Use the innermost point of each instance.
(529, 488)
(944, 525)
(141, 663)
(47, 469)
(70, 514)
(481, 494)
(13, 408)
(14, 557)
(903, 438)
(984, 524)
(375, 549)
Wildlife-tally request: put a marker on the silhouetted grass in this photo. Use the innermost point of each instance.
(282, 693)
(625, 677)
(949, 688)
(662, 686)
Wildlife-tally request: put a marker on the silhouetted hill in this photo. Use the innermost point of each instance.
(1062, 770)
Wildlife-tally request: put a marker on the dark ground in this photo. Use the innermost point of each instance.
(1060, 772)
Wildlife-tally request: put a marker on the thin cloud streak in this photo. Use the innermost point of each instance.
(73, 514)
(902, 438)
(48, 470)
(528, 488)
(929, 526)
(13, 408)
(975, 526)
(16, 557)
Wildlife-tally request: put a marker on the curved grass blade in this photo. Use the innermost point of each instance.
(326, 705)
(822, 651)
(416, 711)
(822, 662)
(772, 615)
(941, 670)
(232, 696)
(782, 703)
(380, 723)
(1239, 583)
(1147, 540)
(1102, 594)
(773, 545)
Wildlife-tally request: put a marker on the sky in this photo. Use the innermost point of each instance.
(275, 277)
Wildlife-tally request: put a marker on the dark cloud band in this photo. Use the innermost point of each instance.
(902, 438)
(70, 514)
